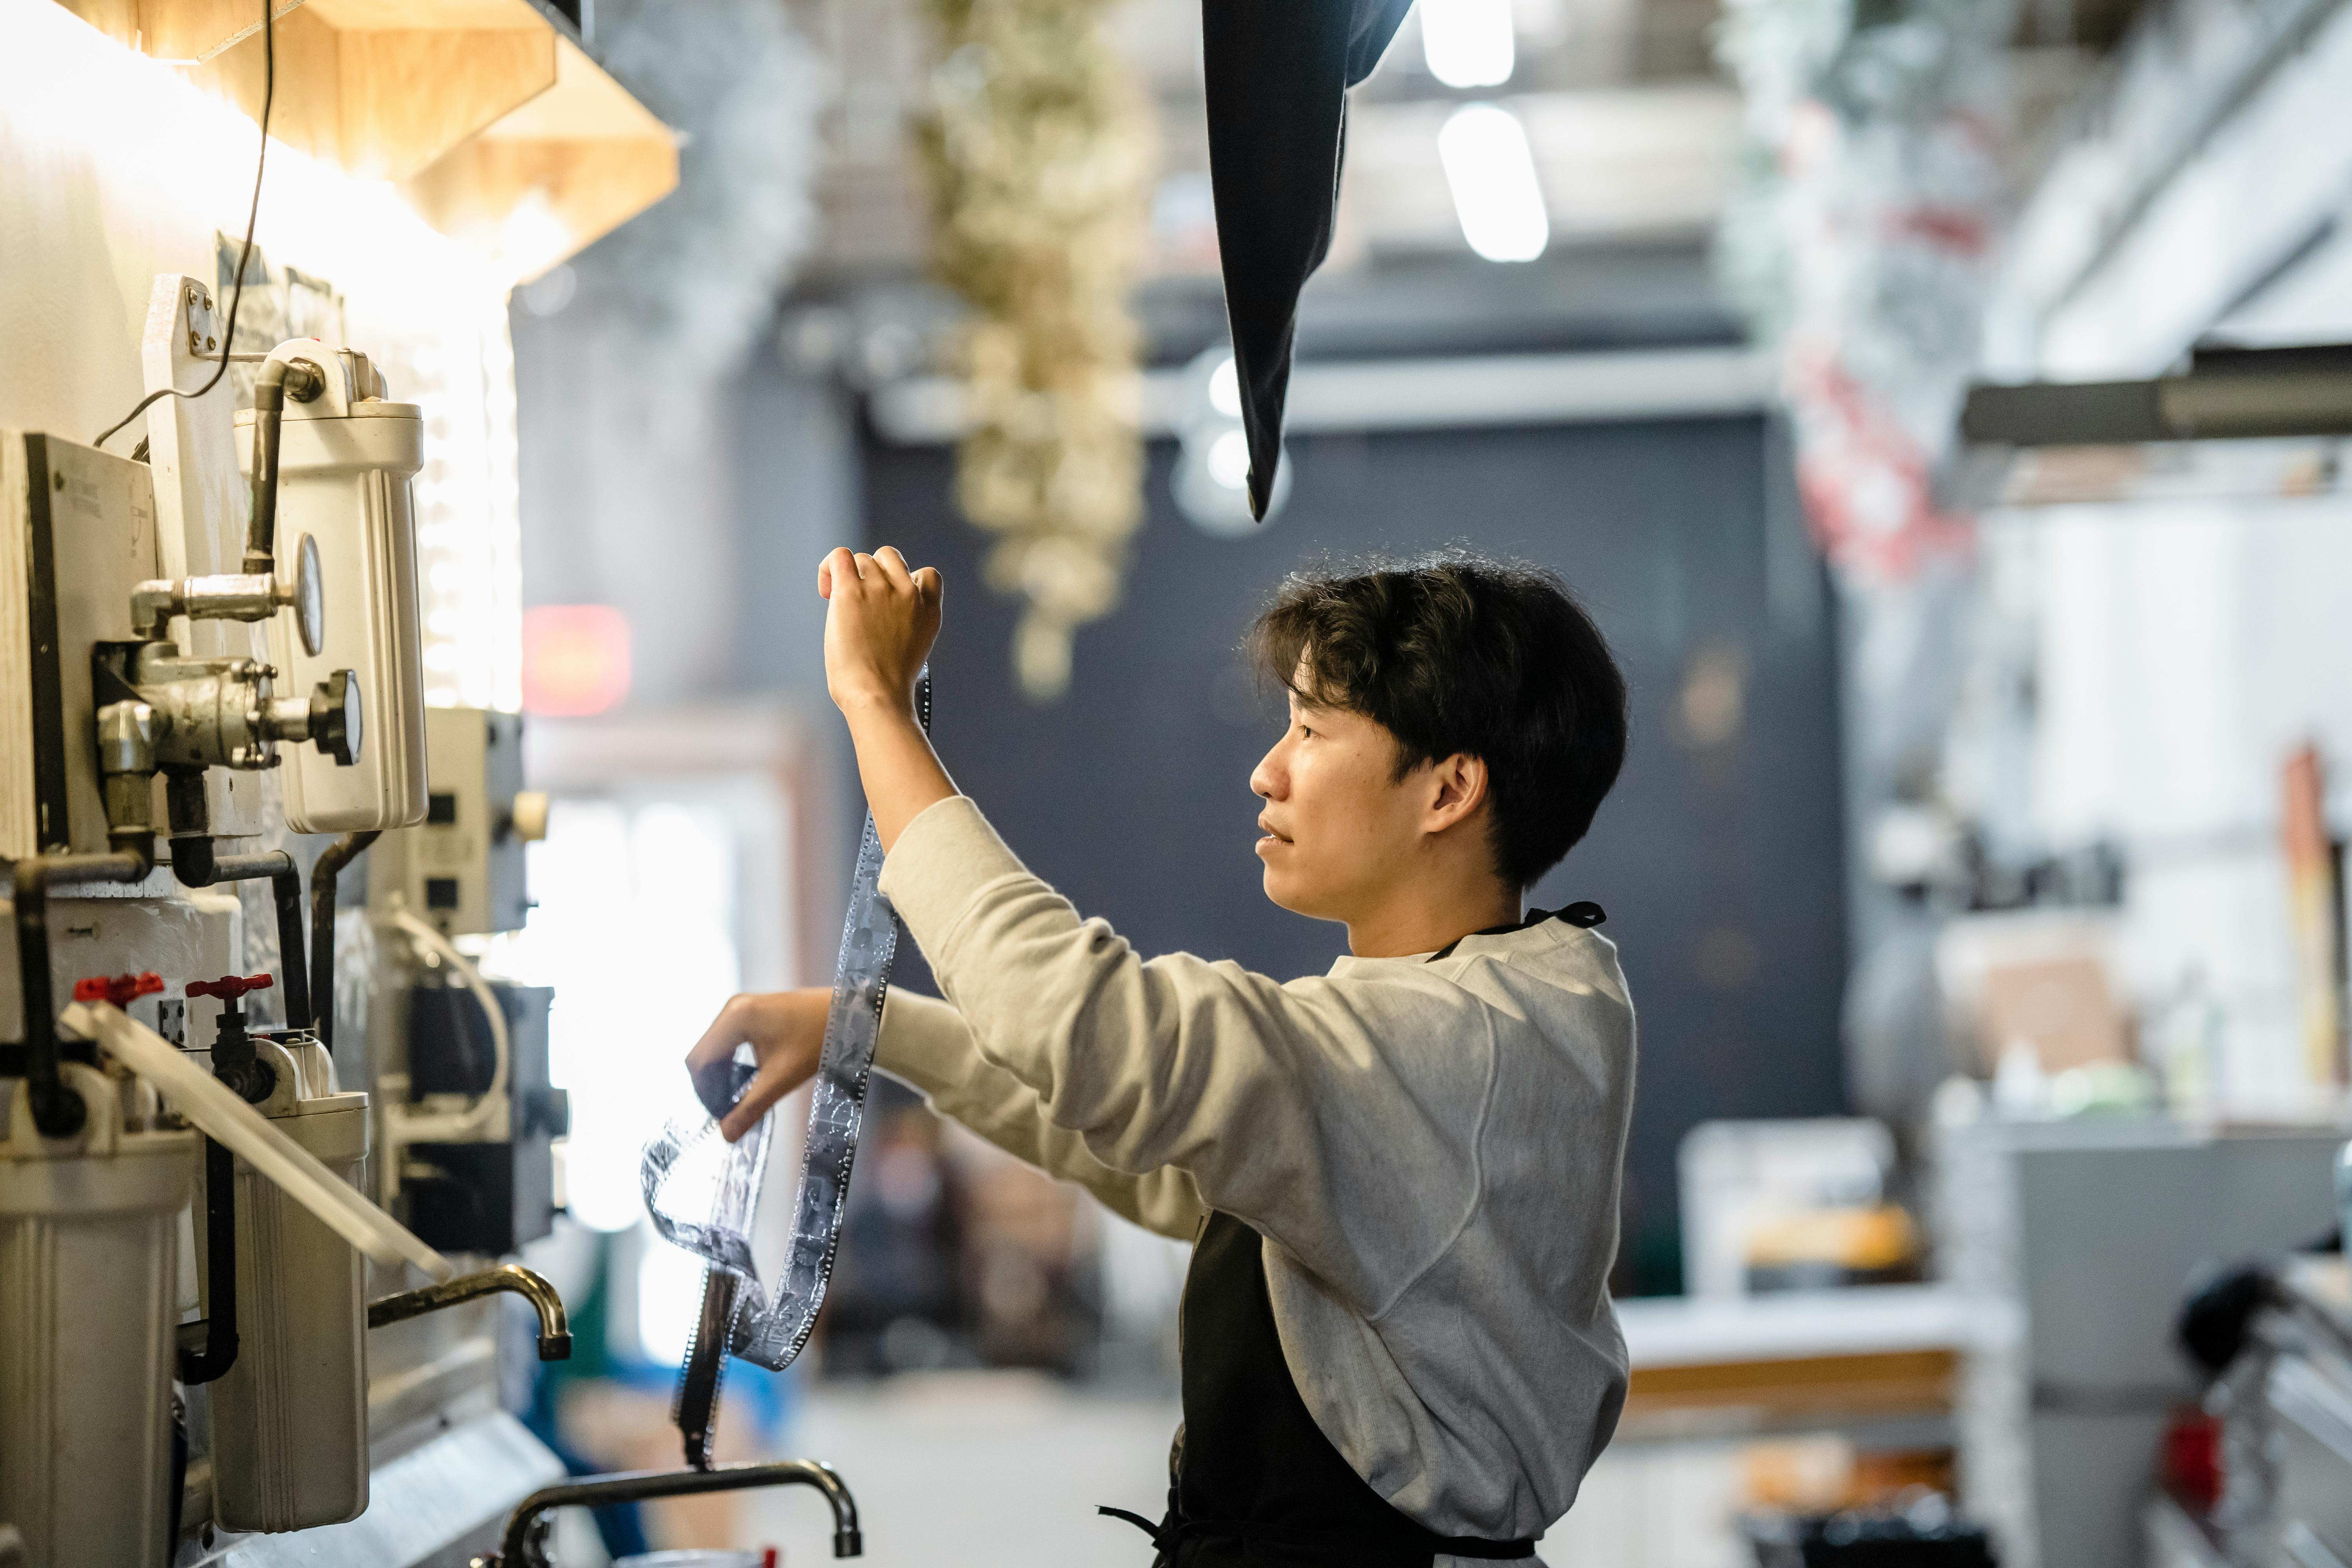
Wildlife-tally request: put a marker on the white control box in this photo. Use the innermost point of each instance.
(345, 459)
(462, 870)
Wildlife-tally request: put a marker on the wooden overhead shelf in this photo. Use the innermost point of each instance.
(501, 130)
(573, 162)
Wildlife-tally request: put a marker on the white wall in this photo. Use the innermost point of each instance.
(113, 168)
(2184, 652)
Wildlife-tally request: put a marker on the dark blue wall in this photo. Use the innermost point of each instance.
(1719, 863)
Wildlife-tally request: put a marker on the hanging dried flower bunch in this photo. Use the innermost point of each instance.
(1039, 145)
(1857, 243)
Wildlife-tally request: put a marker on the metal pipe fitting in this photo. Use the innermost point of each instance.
(522, 1542)
(225, 712)
(226, 596)
(554, 1328)
(247, 596)
(57, 1111)
(126, 768)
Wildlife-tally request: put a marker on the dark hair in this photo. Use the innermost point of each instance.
(1455, 652)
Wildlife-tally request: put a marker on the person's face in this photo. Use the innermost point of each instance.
(1339, 827)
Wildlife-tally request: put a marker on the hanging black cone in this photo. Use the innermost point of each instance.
(1278, 73)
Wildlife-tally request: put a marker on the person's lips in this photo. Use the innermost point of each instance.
(1272, 834)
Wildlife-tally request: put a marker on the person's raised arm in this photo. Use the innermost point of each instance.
(880, 621)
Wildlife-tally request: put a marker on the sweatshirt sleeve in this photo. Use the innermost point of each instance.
(1287, 1108)
(925, 1045)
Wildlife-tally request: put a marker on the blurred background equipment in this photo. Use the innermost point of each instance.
(1778, 1206)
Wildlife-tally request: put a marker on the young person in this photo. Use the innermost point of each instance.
(1402, 1176)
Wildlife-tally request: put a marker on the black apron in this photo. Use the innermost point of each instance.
(1254, 1483)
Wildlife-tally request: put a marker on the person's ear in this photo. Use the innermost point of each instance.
(1460, 783)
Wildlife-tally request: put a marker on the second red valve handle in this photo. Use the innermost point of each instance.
(230, 987)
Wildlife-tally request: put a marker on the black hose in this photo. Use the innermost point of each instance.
(57, 1111)
(276, 380)
(196, 864)
(323, 872)
(261, 529)
(214, 1351)
(293, 950)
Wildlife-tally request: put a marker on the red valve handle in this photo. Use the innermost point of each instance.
(229, 987)
(118, 989)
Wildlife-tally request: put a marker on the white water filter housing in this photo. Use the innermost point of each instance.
(345, 459)
(290, 1418)
(89, 1231)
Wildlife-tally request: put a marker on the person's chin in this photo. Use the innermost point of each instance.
(1284, 893)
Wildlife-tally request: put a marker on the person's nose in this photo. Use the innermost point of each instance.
(1270, 779)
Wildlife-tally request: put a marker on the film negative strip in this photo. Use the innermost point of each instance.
(703, 1193)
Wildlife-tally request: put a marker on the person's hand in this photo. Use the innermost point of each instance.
(785, 1030)
(878, 628)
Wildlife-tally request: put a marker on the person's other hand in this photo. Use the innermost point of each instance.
(879, 625)
(785, 1030)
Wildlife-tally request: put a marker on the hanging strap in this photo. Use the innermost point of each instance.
(737, 1315)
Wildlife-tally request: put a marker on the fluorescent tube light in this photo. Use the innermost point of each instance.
(1467, 43)
(1492, 174)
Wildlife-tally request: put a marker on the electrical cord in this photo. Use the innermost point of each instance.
(244, 256)
(476, 1115)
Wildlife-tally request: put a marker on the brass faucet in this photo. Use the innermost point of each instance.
(554, 1329)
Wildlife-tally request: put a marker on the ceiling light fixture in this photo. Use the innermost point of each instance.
(1468, 43)
(1492, 174)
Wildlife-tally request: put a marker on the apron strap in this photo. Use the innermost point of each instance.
(1137, 1519)
(1174, 1531)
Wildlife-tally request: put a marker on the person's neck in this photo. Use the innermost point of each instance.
(1404, 927)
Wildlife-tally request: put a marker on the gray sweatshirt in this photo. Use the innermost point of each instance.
(1429, 1149)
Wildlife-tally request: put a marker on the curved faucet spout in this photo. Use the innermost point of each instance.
(554, 1329)
(522, 1547)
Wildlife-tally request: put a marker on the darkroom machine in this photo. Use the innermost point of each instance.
(268, 1140)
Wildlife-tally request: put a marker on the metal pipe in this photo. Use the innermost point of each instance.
(323, 872)
(57, 1111)
(554, 1328)
(208, 1346)
(278, 378)
(520, 1548)
(197, 865)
